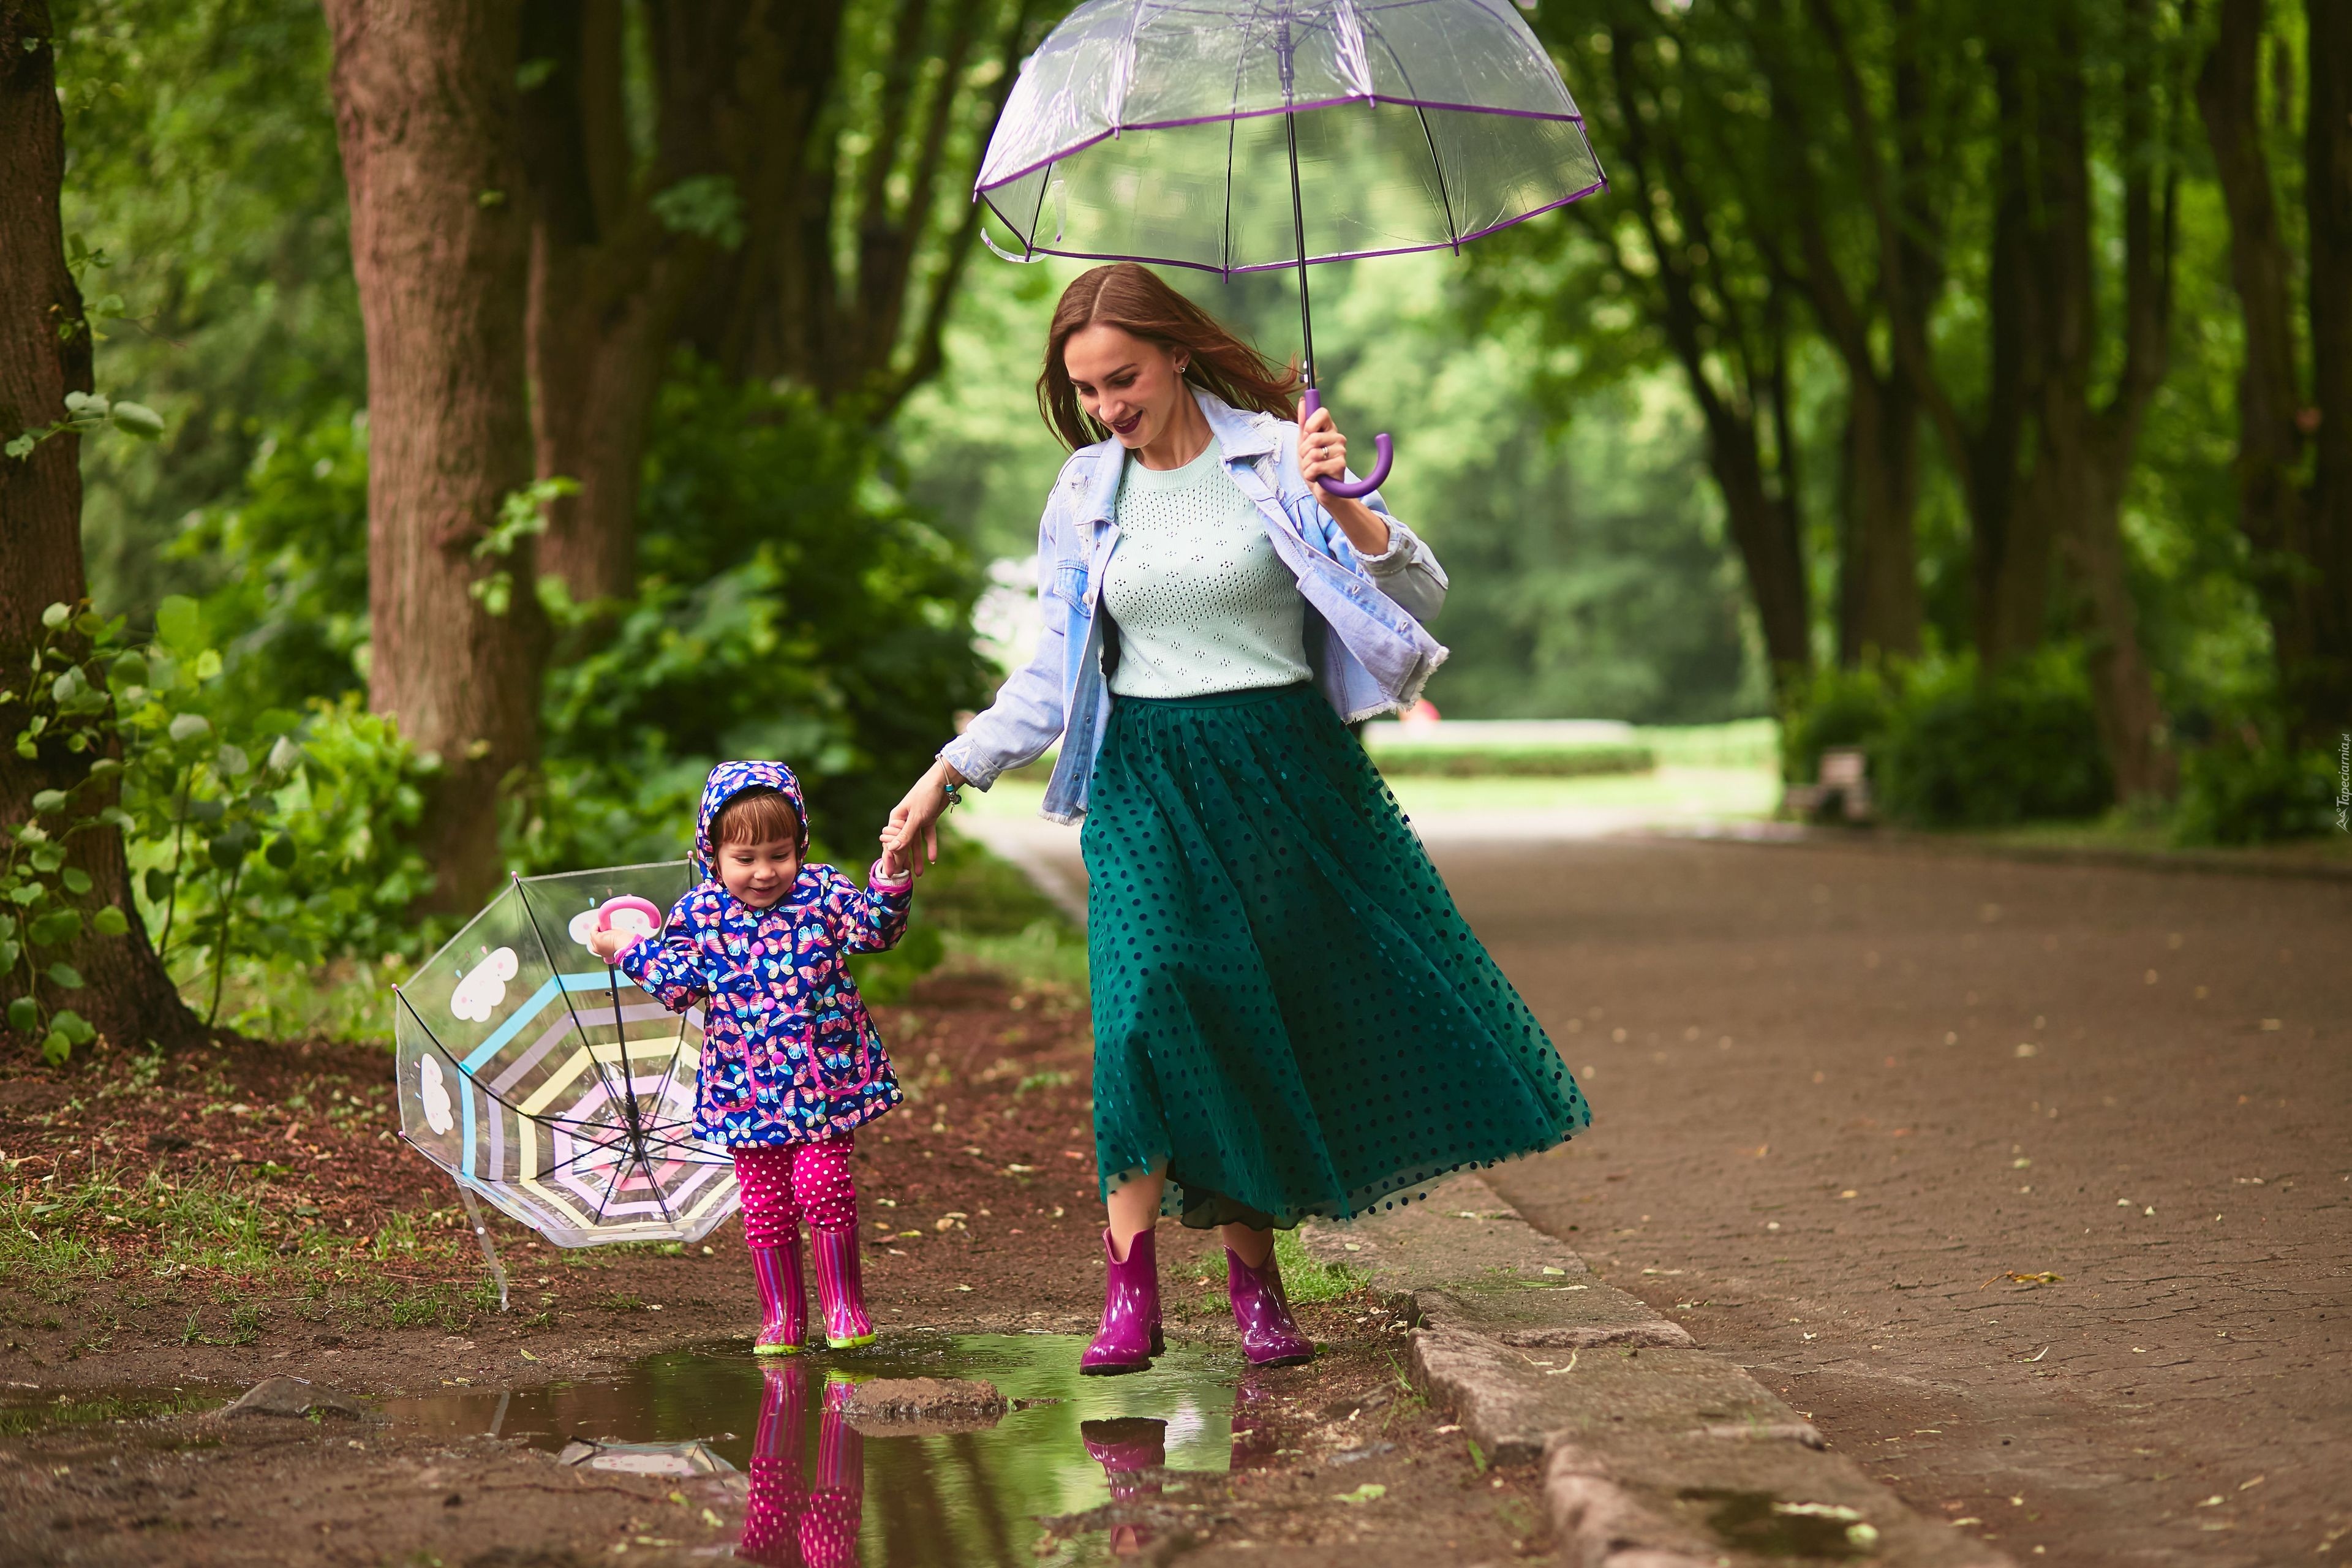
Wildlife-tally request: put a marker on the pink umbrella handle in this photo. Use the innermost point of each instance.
(611, 907)
(1383, 449)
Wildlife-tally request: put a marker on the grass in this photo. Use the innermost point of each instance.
(1305, 1278)
(58, 1230)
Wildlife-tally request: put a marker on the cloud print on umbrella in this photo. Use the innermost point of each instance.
(541, 1078)
(479, 993)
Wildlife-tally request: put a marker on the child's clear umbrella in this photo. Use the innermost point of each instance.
(540, 1077)
(1244, 135)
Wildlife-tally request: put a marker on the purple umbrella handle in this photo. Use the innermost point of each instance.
(1383, 449)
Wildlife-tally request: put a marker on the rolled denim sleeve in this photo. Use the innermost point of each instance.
(1408, 573)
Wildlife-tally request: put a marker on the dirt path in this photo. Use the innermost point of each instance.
(2031, 1185)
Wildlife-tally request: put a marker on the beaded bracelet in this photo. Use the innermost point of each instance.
(954, 791)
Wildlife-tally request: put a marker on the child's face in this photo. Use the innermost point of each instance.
(759, 874)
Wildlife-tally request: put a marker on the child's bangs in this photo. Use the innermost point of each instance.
(757, 817)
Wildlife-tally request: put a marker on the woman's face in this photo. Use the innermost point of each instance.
(1129, 383)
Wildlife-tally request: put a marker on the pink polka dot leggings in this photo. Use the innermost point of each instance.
(782, 1183)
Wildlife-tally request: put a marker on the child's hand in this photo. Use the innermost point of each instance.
(607, 945)
(893, 863)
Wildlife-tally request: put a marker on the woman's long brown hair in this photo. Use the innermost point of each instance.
(1133, 299)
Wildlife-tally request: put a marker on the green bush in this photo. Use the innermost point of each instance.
(1837, 708)
(2248, 786)
(267, 838)
(1951, 748)
(1962, 752)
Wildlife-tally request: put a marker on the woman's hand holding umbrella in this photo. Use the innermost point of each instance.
(1323, 455)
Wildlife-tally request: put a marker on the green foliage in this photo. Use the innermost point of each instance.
(203, 182)
(285, 841)
(1961, 752)
(1950, 748)
(2247, 785)
(61, 720)
(290, 614)
(523, 514)
(276, 833)
(86, 414)
(791, 605)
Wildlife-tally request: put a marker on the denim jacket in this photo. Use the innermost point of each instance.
(1365, 639)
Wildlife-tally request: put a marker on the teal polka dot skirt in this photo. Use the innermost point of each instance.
(1290, 1015)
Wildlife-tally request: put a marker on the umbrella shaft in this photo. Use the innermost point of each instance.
(1298, 236)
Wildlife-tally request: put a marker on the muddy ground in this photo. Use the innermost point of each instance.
(252, 1214)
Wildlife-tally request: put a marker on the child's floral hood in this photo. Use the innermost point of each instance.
(728, 780)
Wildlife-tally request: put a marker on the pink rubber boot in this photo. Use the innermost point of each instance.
(783, 1300)
(1130, 1336)
(1270, 1337)
(771, 1229)
(841, 1288)
(829, 1530)
(827, 1194)
(778, 1502)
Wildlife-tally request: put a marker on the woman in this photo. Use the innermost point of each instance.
(1290, 1016)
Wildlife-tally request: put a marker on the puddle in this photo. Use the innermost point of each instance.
(23, 1413)
(1772, 1527)
(883, 1501)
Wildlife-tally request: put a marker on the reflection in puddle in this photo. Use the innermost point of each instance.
(820, 1492)
(22, 1415)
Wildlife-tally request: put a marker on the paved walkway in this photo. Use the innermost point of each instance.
(2031, 1185)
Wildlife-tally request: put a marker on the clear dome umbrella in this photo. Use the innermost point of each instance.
(1246, 135)
(546, 1083)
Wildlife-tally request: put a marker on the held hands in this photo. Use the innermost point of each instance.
(1323, 455)
(913, 836)
(894, 865)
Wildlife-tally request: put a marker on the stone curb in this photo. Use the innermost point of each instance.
(1655, 1454)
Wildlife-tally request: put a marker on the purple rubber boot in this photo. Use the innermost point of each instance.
(1126, 1448)
(1262, 1313)
(783, 1304)
(841, 1288)
(1130, 1336)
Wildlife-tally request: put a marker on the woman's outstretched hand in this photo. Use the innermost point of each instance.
(913, 836)
(1323, 455)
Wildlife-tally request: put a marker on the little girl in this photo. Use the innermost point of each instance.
(791, 1063)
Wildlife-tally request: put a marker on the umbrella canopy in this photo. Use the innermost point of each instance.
(1161, 130)
(541, 1079)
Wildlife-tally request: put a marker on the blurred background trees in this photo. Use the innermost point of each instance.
(1972, 384)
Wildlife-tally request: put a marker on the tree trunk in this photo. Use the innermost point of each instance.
(604, 293)
(425, 114)
(2324, 693)
(2086, 444)
(2013, 537)
(2271, 511)
(1879, 608)
(1764, 529)
(45, 353)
